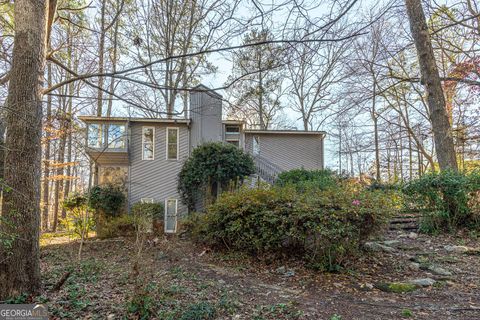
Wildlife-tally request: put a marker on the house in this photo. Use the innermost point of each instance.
(145, 155)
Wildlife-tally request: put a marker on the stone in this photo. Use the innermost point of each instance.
(423, 282)
(439, 271)
(396, 287)
(414, 266)
(111, 316)
(391, 242)
(281, 269)
(289, 273)
(376, 247)
(412, 235)
(456, 249)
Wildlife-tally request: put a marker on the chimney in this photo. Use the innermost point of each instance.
(205, 115)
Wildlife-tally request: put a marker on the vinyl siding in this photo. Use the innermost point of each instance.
(206, 115)
(289, 151)
(156, 179)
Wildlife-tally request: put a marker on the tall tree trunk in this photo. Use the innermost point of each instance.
(442, 132)
(378, 176)
(101, 55)
(46, 172)
(72, 63)
(114, 68)
(20, 262)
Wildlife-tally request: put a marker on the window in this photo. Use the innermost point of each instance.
(146, 200)
(148, 143)
(232, 129)
(172, 143)
(256, 145)
(116, 136)
(171, 215)
(95, 137)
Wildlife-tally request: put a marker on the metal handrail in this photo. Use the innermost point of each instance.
(267, 170)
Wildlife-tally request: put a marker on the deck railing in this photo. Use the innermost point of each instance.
(266, 170)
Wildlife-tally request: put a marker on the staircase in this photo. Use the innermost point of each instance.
(408, 221)
(266, 170)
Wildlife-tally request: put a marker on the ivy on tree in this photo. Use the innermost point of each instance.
(211, 168)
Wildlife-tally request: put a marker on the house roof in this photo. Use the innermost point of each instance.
(204, 89)
(321, 133)
(132, 119)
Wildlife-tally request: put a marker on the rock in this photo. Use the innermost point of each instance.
(424, 282)
(285, 272)
(413, 235)
(420, 259)
(365, 286)
(376, 247)
(289, 273)
(391, 242)
(396, 287)
(281, 270)
(456, 249)
(414, 266)
(438, 270)
(111, 316)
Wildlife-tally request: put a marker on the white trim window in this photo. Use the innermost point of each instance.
(148, 143)
(95, 135)
(170, 223)
(172, 143)
(146, 200)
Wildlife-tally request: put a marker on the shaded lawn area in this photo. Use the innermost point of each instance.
(184, 281)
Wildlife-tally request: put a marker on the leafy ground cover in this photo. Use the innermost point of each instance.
(185, 281)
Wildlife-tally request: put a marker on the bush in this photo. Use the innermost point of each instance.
(210, 168)
(79, 220)
(119, 226)
(448, 200)
(150, 210)
(307, 178)
(108, 199)
(324, 227)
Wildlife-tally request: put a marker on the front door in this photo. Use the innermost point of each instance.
(171, 215)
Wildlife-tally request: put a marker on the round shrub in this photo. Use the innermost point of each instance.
(151, 210)
(212, 167)
(324, 227)
(447, 200)
(109, 199)
(302, 178)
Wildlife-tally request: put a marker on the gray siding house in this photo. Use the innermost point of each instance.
(145, 155)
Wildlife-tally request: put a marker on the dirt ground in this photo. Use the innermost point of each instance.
(182, 281)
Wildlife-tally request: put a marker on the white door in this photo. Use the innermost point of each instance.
(171, 215)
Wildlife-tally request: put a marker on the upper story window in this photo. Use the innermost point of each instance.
(95, 135)
(229, 129)
(106, 135)
(172, 143)
(148, 143)
(116, 136)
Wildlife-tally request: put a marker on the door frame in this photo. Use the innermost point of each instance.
(166, 215)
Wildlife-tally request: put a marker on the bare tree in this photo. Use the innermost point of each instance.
(430, 78)
(314, 72)
(257, 81)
